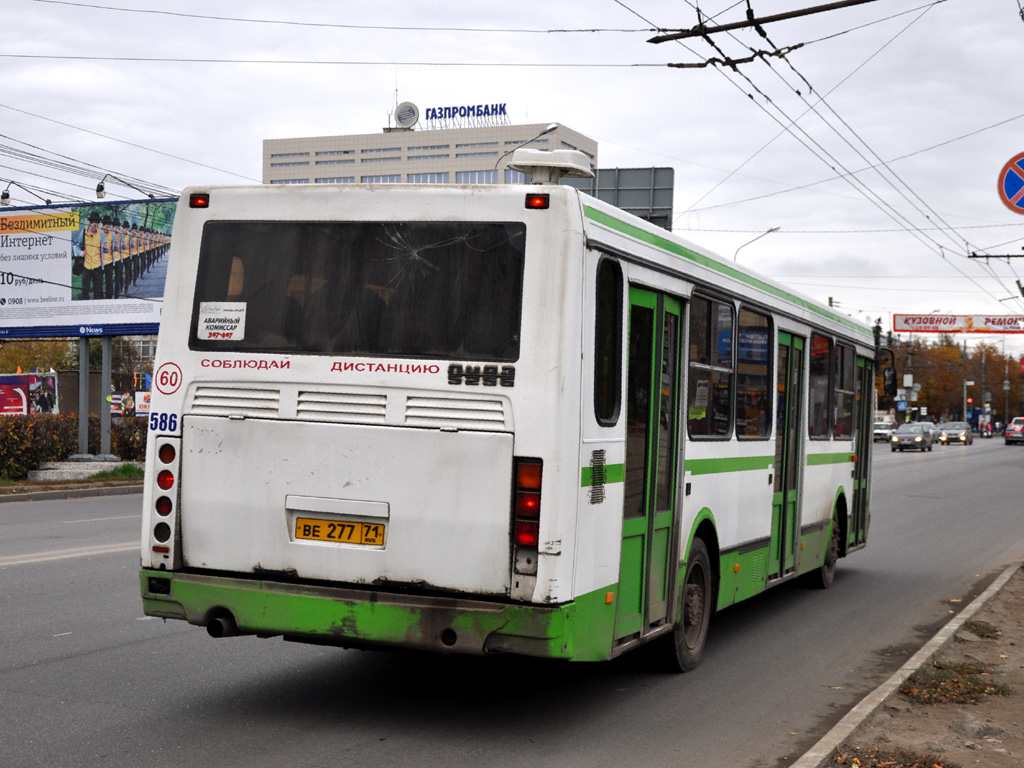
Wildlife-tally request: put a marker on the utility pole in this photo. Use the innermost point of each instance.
(1006, 385)
(984, 394)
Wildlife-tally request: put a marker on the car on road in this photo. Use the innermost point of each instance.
(956, 433)
(882, 431)
(1014, 431)
(913, 435)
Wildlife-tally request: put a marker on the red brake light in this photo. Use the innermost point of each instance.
(167, 453)
(527, 504)
(538, 201)
(527, 533)
(165, 479)
(199, 200)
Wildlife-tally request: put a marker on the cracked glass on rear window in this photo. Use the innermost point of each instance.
(449, 290)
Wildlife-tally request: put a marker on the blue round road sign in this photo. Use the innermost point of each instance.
(1011, 184)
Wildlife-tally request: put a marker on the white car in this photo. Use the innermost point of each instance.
(882, 431)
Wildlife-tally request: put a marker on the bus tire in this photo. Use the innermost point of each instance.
(822, 577)
(690, 633)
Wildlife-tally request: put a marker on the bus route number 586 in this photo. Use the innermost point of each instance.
(163, 422)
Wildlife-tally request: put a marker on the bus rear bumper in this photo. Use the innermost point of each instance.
(366, 618)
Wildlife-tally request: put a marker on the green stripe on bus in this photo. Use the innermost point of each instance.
(613, 473)
(725, 269)
(817, 459)
(719, 466)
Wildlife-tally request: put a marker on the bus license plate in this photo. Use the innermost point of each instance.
(311, 529)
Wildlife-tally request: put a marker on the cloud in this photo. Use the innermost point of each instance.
(899, 77)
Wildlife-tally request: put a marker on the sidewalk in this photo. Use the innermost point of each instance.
(41, 491)
(980, 650)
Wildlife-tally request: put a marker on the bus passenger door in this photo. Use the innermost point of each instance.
(862, 469)
(652, 406)
(788, 439)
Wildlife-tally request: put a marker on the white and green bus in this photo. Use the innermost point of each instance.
(487, 419)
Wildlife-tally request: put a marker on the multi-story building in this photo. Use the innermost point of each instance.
(460, 150)
(459, 155)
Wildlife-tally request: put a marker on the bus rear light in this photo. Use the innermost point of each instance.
(538, 201)
(528, 475)
(527, 504)
(526, 515)
(163, 479)
(199, 200)
(527, 533)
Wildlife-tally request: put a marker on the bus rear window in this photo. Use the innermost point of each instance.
(449, 290)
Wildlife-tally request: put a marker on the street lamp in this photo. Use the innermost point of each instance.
(545, 132)
(101, 190)
(773, 229)
(5, 196)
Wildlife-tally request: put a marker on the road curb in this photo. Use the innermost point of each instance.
(817, 755)
(71, 493)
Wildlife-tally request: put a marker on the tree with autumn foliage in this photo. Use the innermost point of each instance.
(42, 355)
(943, 366)
(38, 354)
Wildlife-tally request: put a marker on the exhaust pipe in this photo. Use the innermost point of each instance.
(222, 625)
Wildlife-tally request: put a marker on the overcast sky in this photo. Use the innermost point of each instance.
(905, 113)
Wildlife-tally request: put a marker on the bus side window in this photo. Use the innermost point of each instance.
(753, 374)
(845, 377)
(819, 409)
(608, 343)
(709, 396)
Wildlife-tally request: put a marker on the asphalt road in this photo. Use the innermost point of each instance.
(86, 680)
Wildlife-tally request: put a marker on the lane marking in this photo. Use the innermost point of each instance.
(64, 554)
(99, 519)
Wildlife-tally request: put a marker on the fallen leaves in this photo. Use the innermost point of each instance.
(877, 757)
(951, 683)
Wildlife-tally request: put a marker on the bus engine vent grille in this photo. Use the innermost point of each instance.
(759, 570)
(235, 401)
(597, 477)
(342, 407)
(476, 413)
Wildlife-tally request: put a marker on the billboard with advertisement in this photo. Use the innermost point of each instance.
(24, 393)
(89, 269)
(958, 323)
(129, 403)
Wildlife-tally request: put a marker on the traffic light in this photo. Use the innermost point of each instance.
(970, 400)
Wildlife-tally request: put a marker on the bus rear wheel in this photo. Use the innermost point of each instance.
(822, 578)
(690, 633)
